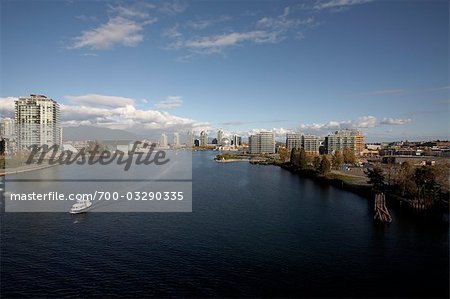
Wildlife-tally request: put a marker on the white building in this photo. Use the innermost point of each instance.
(190, 139)
(236, 140)
(219, 137)
(176, 140)
(37, 121)
(7, 128)
(311, 144)
(163, 140)
(293, 140)
(262, 143)
(203, 138)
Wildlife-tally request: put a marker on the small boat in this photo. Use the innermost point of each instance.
(80, 207)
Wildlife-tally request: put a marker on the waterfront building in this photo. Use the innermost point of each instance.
(236, 141)
(7, 128)
(262, 143)
(176, 140)
(293, 141)
(37, 121)
(190, 139)
(311, 144)
(203, 138)
(352, 139)
(163, 140)
(219, 136)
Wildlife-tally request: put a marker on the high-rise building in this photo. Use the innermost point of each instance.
(219, 136)
(293, 141)
(262, 143)
(7, 128)
(163, 140)
(236, 141)
(190, 139)
(37, 121)
(352, 139)
(203, 138)
(311, 144)
(176, 140)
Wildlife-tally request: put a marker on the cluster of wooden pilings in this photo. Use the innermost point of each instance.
(381, 211)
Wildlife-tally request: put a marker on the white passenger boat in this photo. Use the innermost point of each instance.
(80, 206)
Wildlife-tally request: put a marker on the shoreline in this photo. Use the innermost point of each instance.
(365, 190)
(10, 171)
(232, 160)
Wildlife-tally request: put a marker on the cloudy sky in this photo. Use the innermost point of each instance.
(243, 66)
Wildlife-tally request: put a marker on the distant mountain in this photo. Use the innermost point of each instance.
(96, 133)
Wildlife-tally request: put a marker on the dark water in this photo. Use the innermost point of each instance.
(255, 231)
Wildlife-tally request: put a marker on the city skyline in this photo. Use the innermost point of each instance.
(312, 67)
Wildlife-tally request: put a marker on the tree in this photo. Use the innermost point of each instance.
(349, 156)
(405, 178)
(376, 178)
(427, 187)
(282, 151)
(337, 159)
(316, 163)
(294, 156)
(325, 165)
(302, 159)
(94, 147)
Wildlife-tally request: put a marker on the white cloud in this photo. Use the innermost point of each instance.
(278, 132)
(98, 100)
(124, 27)
(215, 44)
(138, 10)
(7, 106)
(172, 32)
(265, 31)
(169, 102)
(116, 113)
(366, 122)
(205, 23)
(328, 4)
(172, 8)
(117, 30)
(395, 121)
(282, 22)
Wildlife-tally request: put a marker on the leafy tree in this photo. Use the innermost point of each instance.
(337, 159)
(349, 156)
(405, 178)
(316, 163)
(325, 165)
(427, 187)
(295, 152)
(376, 178)
(94, 147)
(302, 159)
(283, 152)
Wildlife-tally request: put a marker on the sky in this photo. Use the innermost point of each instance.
(241, 66)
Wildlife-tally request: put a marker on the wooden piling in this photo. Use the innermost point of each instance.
(381, 211)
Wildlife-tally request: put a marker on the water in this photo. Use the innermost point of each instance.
(255, 231)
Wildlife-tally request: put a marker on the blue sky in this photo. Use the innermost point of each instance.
(243, 66)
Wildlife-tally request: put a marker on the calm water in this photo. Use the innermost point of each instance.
(255, 231)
